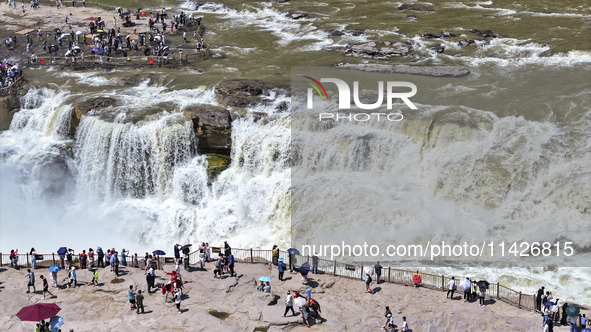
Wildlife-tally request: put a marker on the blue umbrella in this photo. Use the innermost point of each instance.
(159, 252)
(101, 52)
(305, 268)
(94, 49)
(549, 303)
(586, 330)
(54, 268)
(265, 278)
(280, 259)
(572, 310)
(62, 251)
(56, 321)
(293, 251)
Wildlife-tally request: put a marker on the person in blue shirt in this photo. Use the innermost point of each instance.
(231, 265)
(131, 297)
(281, 268)
(177, 253)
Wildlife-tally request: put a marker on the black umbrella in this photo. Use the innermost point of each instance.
(483, 284)
(62, 251)
(159, 252)
(186, 246)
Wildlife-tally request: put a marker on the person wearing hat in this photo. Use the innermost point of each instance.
(72, 276)
(281, 268)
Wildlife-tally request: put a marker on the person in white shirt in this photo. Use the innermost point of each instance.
(451, 287)
(289, 304)
(404, 325)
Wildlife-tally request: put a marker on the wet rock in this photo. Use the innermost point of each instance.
(431, 36)
(9, 105)
(415, 8)
(133, 80)
(436, 71)
(381, 51)
(336, 33)
(466, 42)
(244, 93)
(280, 1)
(446, 34)
(213, 127)
(484, 33)
(83, 107)
(439, 49)
(357, 32)
(218, 56)
(296, 15)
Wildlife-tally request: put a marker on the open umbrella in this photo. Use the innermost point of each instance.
(483, 284)
(54, 268)
(158, 252)
(37, 312)
(100, 31)
(300, 302)
(465, 284)
(368, 270)
(572, 310)
(293, 251)
(101, 52)
(79, 32)
(56, 321)
(94, 49)
(281, 259)
(264, 278)
(91, 19)
(549, 303)
(62, 251)
(186, 246)
(586, 330)
(305, 268)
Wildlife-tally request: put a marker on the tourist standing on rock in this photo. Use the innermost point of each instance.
(177, 253)
(267, 288)
(289, 304)
(218, 266)
(31, 281)
(177, 300)
(45, 287)
(115, 263)
(227, 249)
(136, 262)
(207, 252)
(202, 258)
(378, 269)
(124, 254)
(275, 252)
(90, 259)
(72, 276)
(368, 281)
(101, 256)
(33, 254)
(539, 299)
(82, 258)
(304, 313)
(148, 263)
(281, 268)
(315, 264)
(150, 277)
(53, 277)
(131, 297)
(14, 258)
(451, 288)
(139, 299)
(231, 265)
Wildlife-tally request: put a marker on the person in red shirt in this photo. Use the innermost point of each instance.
(83, 258)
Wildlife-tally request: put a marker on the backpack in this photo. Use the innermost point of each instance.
(368, 279)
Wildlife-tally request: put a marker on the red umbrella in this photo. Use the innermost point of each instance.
(91, 19)
(39, 311)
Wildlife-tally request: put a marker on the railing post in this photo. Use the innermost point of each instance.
(251, 257)
(519, 301)
(361, 271)
(389, 268)
(0, 259)
(442, 282)
(53, 257)
(27, 260)
(334, 271)
(498, 295)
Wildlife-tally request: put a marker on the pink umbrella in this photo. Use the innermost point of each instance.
(39, 311)
(91, 19)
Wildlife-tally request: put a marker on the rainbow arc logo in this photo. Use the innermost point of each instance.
(317, 86)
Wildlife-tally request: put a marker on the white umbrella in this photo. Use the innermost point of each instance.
(465, 284)
(300, 302)
(79, 32)
(368, 270)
